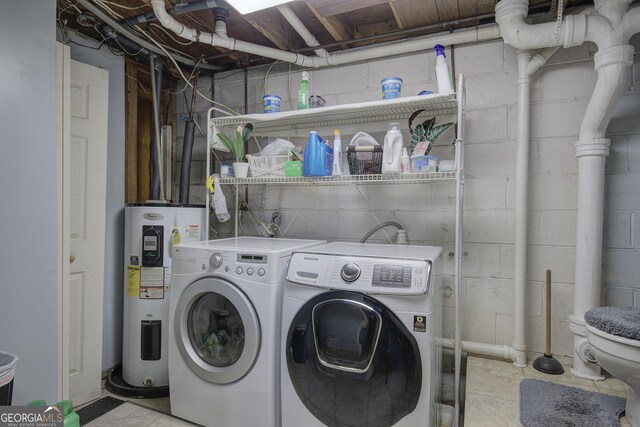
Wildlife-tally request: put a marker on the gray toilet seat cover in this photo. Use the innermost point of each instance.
(621, 321)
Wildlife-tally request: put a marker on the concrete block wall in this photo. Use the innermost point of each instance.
(560, 92)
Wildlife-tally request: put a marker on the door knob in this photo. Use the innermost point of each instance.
(72, 258)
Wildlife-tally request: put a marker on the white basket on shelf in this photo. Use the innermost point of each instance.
(267, 166)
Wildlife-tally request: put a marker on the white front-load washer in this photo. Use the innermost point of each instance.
(359, 329)
(225, 312)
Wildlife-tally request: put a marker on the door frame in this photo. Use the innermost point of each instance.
(63, 119)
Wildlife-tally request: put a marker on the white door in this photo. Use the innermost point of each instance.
(88, 101)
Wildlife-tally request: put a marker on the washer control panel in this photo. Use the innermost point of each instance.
(361, 273)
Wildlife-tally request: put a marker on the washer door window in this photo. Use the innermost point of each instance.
(217, 330)
(352, 362)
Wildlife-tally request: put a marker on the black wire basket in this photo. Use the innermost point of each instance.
(365, 160)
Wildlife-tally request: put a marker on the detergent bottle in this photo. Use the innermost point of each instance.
(318, 157)
(392, 150)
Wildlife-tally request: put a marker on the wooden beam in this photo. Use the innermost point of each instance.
(273, 26)
(338, 29)
(337, 7)
(131, 133)
(447, 10)
(414, 13)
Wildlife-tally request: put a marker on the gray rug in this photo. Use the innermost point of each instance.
(546, 404)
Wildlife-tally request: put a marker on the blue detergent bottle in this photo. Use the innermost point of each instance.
(318, 157)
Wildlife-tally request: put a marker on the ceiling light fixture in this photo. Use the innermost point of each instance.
(249, 6)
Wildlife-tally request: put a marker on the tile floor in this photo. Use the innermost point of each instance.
(493, 391)
(492, 397)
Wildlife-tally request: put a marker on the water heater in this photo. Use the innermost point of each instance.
(151, 229)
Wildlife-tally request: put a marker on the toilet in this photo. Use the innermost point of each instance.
(614, 335)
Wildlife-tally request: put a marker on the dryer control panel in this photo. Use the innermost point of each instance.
(253, 266)
(361, 273)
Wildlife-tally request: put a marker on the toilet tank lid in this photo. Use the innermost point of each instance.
(620, 321)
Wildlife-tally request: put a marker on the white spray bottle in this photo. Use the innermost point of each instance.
(337, 153)
(392, 150)
(442, 71)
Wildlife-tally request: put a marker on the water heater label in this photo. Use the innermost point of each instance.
(133, 280)
(192, 231)
(151, 282)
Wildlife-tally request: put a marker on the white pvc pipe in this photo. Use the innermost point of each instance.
(608, 30)
(473, 35)
(482, 349)
(592, 148)
(631, 22)
(301, 29)
(522, 211)
(517, 33)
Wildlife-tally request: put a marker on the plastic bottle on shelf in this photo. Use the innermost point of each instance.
(318, 157)
(406, 168)
(337, 153)
(392, 150)
(303, 92)
(443, 77)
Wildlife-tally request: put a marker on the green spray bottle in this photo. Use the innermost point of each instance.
(303, 92)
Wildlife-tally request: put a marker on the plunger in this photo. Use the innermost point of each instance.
(546, 363)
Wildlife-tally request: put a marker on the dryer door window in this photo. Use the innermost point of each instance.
(216, 330)
(352, 362)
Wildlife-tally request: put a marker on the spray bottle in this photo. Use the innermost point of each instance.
(337, 153)
(406, 168)
(303, 92)
(442, 71)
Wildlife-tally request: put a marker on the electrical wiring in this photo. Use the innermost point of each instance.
(122, 6)
(165, 49)
(264, 82)
(139, 83)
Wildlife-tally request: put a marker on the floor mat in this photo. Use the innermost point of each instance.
(543, 403)
(98, 408)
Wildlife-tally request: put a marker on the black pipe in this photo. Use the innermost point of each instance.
(185, 169)
(122, 41)
(179, 9)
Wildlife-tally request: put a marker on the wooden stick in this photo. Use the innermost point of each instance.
(548, 313)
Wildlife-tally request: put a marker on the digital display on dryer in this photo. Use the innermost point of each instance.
(391, 276)
(255, 259)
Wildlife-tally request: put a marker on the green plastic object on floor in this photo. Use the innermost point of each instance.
(71, 419)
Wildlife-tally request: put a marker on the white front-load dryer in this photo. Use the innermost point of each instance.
(359, 336)
(224, 313)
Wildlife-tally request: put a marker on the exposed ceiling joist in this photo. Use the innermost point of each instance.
(337, 7)
(414, 13)
(274, 27)
(338, 29)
